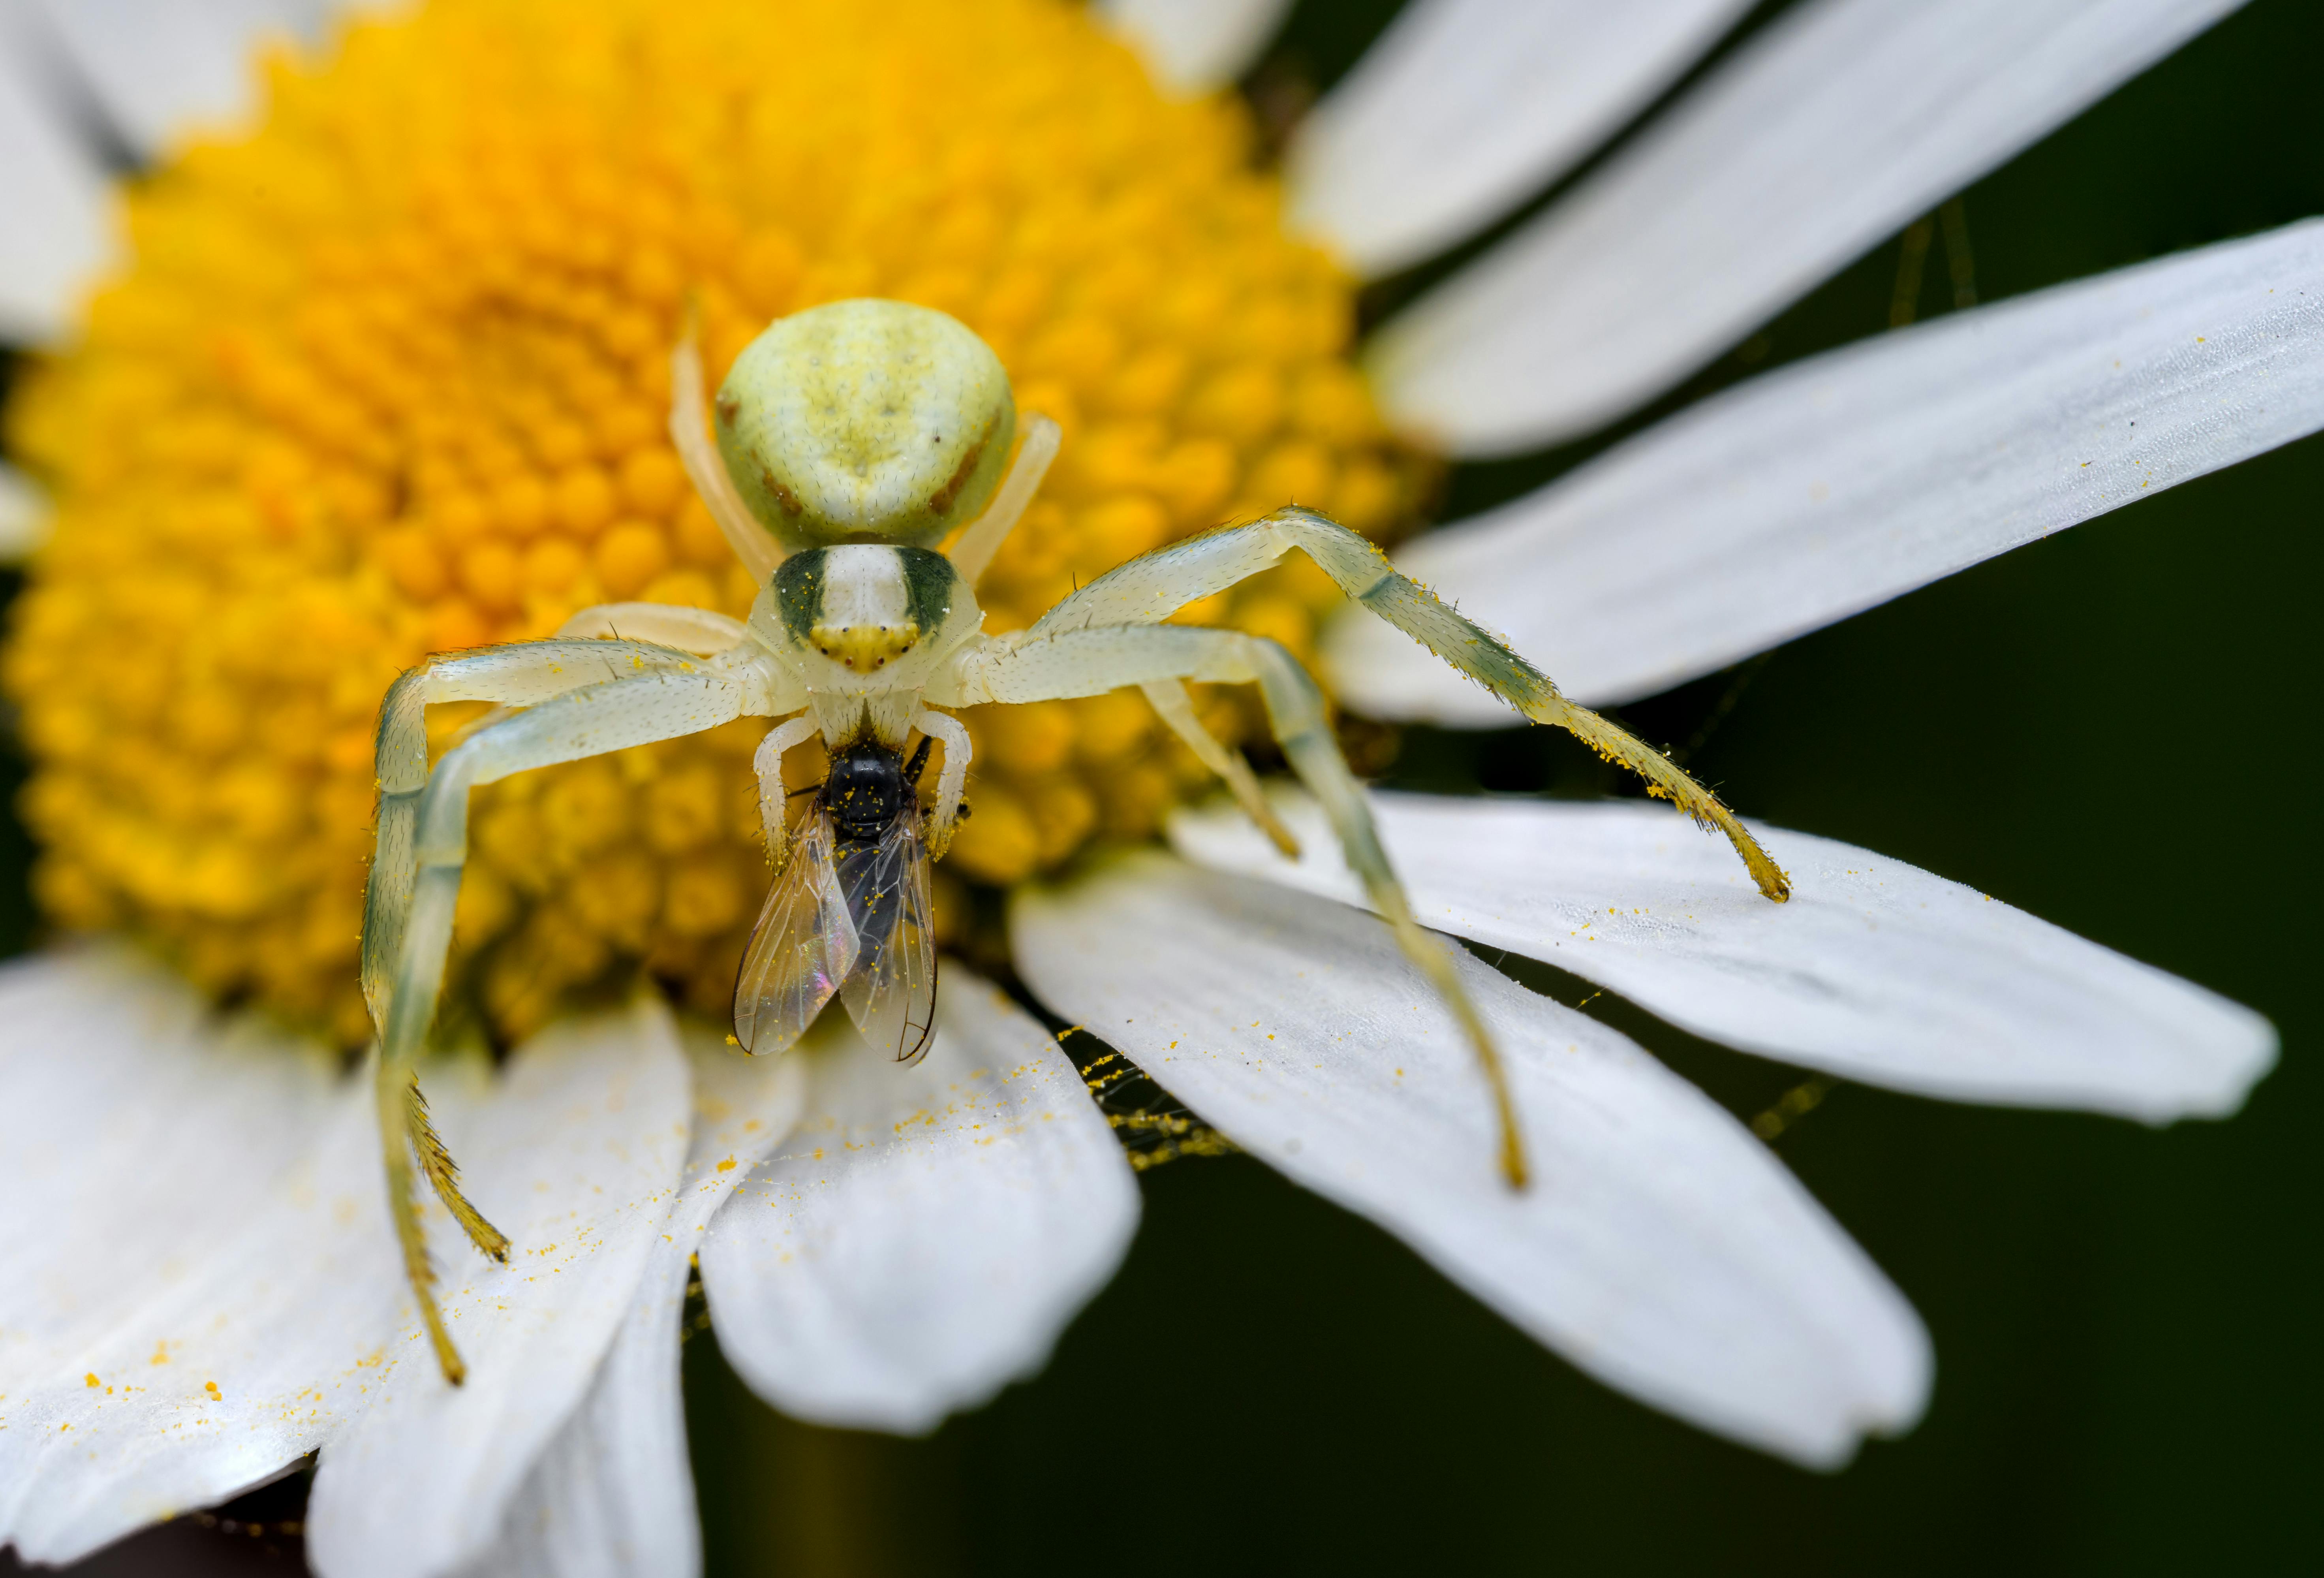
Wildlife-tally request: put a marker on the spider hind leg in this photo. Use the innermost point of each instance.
(1171, 703)
(1090, 660)
(1152, 588)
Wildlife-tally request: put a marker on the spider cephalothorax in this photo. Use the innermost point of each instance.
(854, 436)
(862, 606)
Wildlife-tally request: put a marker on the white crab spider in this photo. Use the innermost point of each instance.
(851, 439)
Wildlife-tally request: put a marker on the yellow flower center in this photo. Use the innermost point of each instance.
(389, 376)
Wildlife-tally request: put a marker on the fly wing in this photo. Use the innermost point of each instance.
(892, 994)
(804, 946)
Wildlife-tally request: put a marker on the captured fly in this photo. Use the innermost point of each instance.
(849, 914)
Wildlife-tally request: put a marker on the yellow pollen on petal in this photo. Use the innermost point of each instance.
(386, 378)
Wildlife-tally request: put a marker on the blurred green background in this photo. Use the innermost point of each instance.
(2112, 729)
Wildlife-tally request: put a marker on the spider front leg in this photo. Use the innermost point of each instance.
(416, 867)
(1090, 661)
(972, 553)
(1151, 588)
(518, 675)
(952, 782)
(774, 799)
(702, 632)
(690, 435)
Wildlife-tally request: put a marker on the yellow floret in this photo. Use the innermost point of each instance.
(387, 377)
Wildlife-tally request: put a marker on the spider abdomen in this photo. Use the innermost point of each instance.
(865, 420)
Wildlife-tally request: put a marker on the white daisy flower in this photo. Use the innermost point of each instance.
(374, 375)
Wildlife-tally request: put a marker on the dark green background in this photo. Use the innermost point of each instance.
(2114, 729)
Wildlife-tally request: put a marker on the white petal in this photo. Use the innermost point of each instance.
(131, 1126)
(59, 227)
(1838, 483)
(1659, 1247)
(1465, 107)
(1873, 970)
(190, 1206)
(926, 1233)
(613, 1495)
(1196, 45)
(160, 67)
(576, 1157)
(1831, 129)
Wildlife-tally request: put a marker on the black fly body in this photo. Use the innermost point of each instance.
(868, 786)
(851, 915)
(869, 790)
